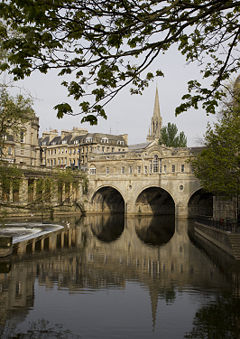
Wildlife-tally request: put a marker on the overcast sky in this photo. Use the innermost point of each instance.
(130, 114)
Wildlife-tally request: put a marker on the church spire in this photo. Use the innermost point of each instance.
(156, 110)
(156, 122)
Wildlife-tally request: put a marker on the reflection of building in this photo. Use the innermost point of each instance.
(23, 148)
(72, 148)
(75, 259)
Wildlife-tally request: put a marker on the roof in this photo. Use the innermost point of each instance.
(139, 146)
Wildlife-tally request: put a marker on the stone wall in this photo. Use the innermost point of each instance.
(224, 208)
(42, 191)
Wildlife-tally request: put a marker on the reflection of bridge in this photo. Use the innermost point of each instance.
(83, 256)
(150, 180)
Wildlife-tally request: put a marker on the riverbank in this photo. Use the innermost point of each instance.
(229, 242)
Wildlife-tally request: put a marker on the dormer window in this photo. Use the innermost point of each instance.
(89, 139)
(104, 140)
(120, 142)
(64, 142)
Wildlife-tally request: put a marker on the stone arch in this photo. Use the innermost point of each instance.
(107, 199)
(155, 200)
(200, 203)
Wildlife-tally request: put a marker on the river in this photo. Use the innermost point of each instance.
(116, 277)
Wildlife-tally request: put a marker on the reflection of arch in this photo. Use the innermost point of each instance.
(155, 200)
(108, 199)
(156, 230)
(108, 228)
(200, 204)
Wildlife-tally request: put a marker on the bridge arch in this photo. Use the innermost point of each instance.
(107, 199)
(155, 200)
(200, 203)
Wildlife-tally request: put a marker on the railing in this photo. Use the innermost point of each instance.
(228, 225)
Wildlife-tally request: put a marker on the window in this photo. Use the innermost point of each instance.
(173, 168)
(182, 168)
(165, 168)
(92, 170)
(122, 170)
(21, 136)
(155, 164)
(89, 139)
(145, 170)
(103, 149)
(104, 140)
(9, 150)
(107, 170)
(139, 169)
(130, 169)
(112, 149)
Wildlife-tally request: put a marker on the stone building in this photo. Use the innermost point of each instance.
(23, 148)
(73, 148)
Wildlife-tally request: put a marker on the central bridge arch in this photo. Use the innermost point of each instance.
(107, 199)
(155, 200)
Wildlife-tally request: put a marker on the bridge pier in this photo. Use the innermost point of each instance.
(181, 211)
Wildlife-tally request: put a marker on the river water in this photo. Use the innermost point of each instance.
(116, 277)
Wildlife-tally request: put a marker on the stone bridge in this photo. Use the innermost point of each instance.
(154, 180)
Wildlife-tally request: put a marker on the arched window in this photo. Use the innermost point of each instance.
(155, 164)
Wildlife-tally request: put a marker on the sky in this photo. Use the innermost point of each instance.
(127, 114)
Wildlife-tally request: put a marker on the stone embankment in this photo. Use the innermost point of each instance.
(229, 242)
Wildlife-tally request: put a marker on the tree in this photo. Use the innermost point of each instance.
(101, 46)
(170, 138)
(218, 165)
(14, 113)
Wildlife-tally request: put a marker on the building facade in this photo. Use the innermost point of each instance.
(74, 148)
(24, 147)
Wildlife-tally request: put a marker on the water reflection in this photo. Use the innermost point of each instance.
(113, 274)
(155, 231)
(108, 228)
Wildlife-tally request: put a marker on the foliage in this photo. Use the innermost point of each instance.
(170, 138)
(217, 320)
(218, 165)
(10, 175)
(101, 46)
(14, 113)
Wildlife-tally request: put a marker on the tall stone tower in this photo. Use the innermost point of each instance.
(156, 122)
